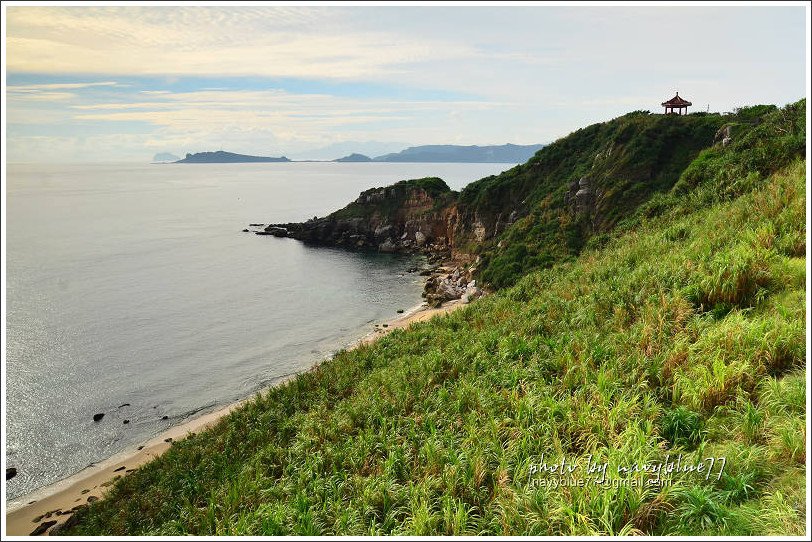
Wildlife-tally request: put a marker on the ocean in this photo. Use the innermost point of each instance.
(132, 291)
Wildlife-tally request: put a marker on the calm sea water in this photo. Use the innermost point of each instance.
(134, 284)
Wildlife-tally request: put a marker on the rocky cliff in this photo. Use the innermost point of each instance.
(411, 216)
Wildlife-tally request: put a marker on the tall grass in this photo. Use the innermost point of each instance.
(685, 336)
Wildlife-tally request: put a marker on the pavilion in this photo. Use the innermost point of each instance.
(675, 105)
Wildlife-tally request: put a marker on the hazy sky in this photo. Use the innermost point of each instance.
(122, 83)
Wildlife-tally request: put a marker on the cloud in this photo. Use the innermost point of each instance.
(49, 92)
(293, 118)
(247, 78)
(224, 41)
(58, 86)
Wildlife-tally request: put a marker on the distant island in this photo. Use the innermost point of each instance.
(458, 153)
(165, 157)
(515, 154)
(354, 157)
(223, 157)
(508, 154)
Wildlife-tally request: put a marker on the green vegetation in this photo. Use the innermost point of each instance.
(680, 335)
(626, 160)
(386, 201)
(635, 160)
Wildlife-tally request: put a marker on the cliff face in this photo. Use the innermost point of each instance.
(410, 216)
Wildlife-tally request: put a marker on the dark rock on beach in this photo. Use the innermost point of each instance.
(11, 472)
(58, 528)
(98, 417)
(41, 528)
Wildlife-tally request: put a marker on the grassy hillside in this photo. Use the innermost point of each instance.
(683, 336)
(627, 161)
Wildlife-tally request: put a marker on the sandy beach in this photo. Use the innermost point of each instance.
(57, 502)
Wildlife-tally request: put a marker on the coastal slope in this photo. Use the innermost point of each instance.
(681, 336)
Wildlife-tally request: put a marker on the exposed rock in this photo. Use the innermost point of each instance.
(471, 293)
(98, 417)
(59, 527)
(126, 421)
(92, 498)
(387, 246)
(384, 231)
(11, 472)
(125, 404)
(164, 417)
(246, 230)
(448, 285)
(585, 196)
(42, 527)
(409, 216)
(276, 231)
(120, 468)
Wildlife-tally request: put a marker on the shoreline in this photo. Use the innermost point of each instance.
(56, 502)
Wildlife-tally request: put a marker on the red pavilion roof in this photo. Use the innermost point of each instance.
(677, 101)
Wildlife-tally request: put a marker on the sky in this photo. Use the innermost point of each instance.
(99, 83)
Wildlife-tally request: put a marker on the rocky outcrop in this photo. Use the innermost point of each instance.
(410, 216)
(580, 196)
(584, 197)
(723, 135)
(450, 284)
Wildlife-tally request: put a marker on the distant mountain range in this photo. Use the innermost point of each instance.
(223, 157)
(513, 154)
(458, 153)
(344, 148)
